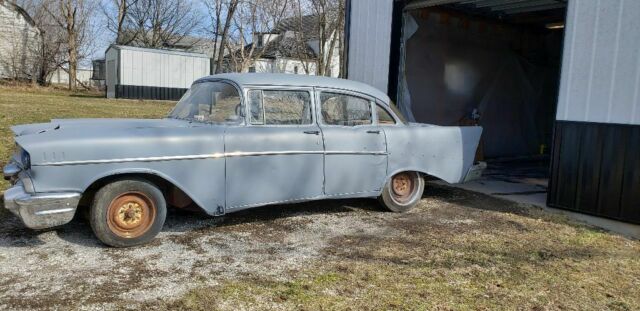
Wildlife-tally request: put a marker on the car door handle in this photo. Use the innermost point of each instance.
(312, 132)
(373, 132)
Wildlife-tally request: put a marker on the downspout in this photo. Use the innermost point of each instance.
(347, 37)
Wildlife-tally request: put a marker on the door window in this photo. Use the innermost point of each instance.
(279, 107)
(384, 118)
(345, 110)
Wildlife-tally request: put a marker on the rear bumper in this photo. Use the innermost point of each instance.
(475, 171)
(39, 211)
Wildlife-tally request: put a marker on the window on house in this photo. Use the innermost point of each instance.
(295, 69)
(280, 107)
(384, 118)
(345, 110)
(252, 69)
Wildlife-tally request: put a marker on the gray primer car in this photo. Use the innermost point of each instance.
(233, 142)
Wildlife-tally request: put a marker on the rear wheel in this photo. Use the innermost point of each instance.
(402, 191)
(128, 212)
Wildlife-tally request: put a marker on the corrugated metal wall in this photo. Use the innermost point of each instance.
(595, 162)
(369, 42)
(601, 62)
(159, 69)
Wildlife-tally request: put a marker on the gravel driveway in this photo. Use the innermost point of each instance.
(67, 268)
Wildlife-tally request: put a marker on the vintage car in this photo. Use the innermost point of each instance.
(234, 141)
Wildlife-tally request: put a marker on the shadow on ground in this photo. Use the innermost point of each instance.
(78, 231)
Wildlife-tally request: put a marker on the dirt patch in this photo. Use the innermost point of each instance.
(456, 250)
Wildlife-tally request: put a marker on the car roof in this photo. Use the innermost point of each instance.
(279, 79)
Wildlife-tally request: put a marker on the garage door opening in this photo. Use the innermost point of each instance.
(495, 63)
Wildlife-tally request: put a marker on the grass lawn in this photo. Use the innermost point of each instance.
(33, 105)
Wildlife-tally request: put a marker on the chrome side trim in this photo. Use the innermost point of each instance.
(123, 160)
(208, 156)
(55, 211)
(356, 152)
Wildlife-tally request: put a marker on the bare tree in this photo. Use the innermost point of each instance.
(327, 17)
(72, 17)
(219, 10)
(255, 19)
(120, 22)
(159, 23)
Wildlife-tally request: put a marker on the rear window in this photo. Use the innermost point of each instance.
(345, 110)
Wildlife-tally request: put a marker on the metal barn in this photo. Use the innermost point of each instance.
(141, 73)
(553, 80)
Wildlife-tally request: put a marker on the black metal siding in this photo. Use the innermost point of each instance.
(148, 92)
(595, 169)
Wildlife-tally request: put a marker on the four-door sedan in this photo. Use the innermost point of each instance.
(234, 141)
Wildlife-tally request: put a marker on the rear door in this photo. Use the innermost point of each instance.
(355, 148)
(278, 155)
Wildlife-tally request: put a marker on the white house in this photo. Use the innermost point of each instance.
(19, 42)
(292, 47)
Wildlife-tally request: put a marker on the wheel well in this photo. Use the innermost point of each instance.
(171, 192)
(425, 175)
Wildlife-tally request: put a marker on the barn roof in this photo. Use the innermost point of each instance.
(161, 51)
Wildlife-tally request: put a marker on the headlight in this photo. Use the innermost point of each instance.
(26, 160)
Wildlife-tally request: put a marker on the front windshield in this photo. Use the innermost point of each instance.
(215, 102)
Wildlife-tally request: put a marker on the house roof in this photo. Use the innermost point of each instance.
(282, 47)
(307, 25)
(20, 10)
(278, 79)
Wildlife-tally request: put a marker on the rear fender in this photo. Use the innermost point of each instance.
(444, 152)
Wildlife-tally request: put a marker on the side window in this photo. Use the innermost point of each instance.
(384, 118)
(345, 110)
(256, 113)
(279, 107)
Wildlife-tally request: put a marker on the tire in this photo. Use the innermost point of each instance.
(128, 212)
(402, 192)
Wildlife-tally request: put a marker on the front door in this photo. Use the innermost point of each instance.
(277, 156)
(355, 148)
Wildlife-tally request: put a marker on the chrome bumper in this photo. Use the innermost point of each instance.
(39, 211)
(475, 171)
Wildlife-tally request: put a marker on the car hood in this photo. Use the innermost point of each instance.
(94, 124)
(62, 141)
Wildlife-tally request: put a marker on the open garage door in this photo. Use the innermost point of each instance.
(491, 62)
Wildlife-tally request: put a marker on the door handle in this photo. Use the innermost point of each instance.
(312, 132)
(373, 132)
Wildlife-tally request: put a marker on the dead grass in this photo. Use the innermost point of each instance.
(25, 104)
(453, 255)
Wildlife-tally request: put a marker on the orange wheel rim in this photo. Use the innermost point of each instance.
(402, 186)
(130, 215)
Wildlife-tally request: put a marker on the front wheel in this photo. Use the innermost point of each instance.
(402, 191)
(128, 212)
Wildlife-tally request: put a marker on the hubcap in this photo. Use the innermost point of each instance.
(130, 215)
(402, 185)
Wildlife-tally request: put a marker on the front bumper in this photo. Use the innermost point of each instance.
(39, 211)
